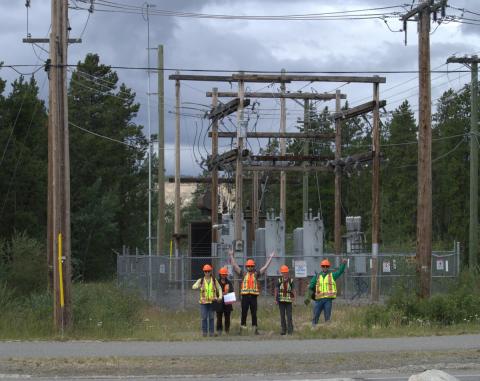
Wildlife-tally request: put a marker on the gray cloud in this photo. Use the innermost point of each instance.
(121, 39)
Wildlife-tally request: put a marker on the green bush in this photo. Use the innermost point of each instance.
(440, 309)
(104, 305)
(25, 265)
(405, 301)
(460, 304)
(6, 296)
(100, 310)
(377, 315)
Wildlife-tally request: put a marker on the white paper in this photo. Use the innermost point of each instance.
(229, 298)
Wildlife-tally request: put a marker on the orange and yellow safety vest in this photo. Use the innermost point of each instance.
(285, 295)
(250, 285)
(209, 290)
(326, 287)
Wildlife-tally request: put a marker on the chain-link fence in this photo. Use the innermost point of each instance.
(167, 281)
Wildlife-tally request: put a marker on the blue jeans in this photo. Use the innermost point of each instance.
(206, 313)
(320, 305)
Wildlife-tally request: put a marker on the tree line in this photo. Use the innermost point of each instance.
(109, 181)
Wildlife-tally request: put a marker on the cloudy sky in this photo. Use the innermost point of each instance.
(119, 36)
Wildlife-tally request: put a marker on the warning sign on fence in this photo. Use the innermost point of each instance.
(386, 266)
(300, 269)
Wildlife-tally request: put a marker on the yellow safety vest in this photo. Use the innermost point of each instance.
(285, 295)
(325, 287)
(208, 291)
(245, 290)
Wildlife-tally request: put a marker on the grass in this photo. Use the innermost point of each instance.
(103, 312)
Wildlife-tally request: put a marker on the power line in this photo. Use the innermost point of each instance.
(358, 14)
(122, 67)
(104, 137)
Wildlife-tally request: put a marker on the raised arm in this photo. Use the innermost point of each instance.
(234, 262)
(264, 268)
(196, 285)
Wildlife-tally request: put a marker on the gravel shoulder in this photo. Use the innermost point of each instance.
(352, 363)
(222, 357)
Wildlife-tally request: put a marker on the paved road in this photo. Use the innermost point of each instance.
(240, 347)
(461, 377)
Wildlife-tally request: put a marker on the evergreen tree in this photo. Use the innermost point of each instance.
(399, 177)
(450, 166)
(108, 178)
(23, 160)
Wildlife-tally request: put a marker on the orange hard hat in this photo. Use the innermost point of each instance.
(325, 262)
(250, 262)
(223, 271)
(284, 269)
(207, 268)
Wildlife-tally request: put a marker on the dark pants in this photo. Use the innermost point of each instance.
(206, 312)
(249, 301)
(286, 311)
(220, 314)
(324, 304)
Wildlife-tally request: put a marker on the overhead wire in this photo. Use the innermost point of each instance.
(116, 7)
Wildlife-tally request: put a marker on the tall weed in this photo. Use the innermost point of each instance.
(461, 304)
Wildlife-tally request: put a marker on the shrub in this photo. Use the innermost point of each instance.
(25, 265)
(377, 315)
(6, 296)
(105, 305)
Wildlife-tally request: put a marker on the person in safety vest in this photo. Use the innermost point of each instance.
(250, 288)
(210, 291)
(284, 297)
(324, 289)
(225, 309)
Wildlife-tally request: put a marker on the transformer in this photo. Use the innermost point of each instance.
(268, 239)
(308, 242)
(354, 243)
(227, 237)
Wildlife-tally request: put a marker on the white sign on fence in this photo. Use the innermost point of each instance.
(300, 269)
(386, 266)
(440, 264)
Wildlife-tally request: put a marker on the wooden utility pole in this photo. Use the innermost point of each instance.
(306, 127)
(424, 175)
(473, 226)
(161, 155)
(283, 78)
(177, 168)
(58, 193)
(375, 193)
(283, 151)
(424, 203)
(338, 179)
(58, 124)
(59, 168)
(214, 191)
(255, 206)
(241, 133)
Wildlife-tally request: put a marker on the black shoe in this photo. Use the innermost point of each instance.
(283, 333)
